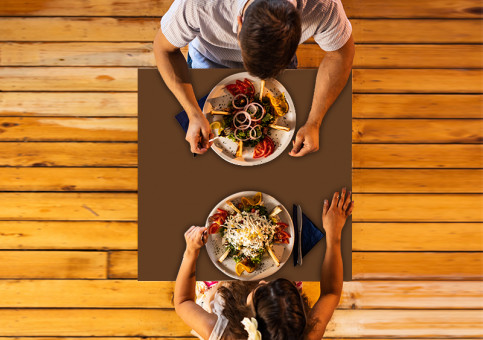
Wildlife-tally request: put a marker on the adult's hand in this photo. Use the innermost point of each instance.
(335, 214)
(306, 140)
(195, 239)
(199, 134)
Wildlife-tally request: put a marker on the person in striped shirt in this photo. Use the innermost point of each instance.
(261, 36)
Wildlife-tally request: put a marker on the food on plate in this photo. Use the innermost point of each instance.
(249, 118)
(248, 231)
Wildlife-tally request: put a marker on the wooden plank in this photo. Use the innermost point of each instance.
(415, 31)
(68, 129)
(144, 29)
(417, 181)
(412, 9)
(353, 8)
(398, 56)
(68, 104)
(418, 208)
(69, 206)
(310, 55)
(77, 54)
(150, 294)
(417, 156)
(430, 237)
(52, 265)
(417, 106)
(42, 154)
(397, 265)
(416, 81)
(68, 179)
(67, 79)
(79, 29)
(123, 265)
(417, 131)
(149, 322)
(416, 265)
(68, 235)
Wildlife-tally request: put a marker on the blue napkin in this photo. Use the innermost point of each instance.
(311, 235)
(182, 117)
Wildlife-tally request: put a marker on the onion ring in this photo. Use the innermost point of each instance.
(254, 128)
(236, 97)
(242, 124)
(252, 114)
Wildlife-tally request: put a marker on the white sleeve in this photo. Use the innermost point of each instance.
(335, 29)
(180, 24)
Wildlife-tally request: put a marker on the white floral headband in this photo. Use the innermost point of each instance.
(251, 326)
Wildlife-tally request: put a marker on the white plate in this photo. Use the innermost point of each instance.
(219, 98)
(266, 267)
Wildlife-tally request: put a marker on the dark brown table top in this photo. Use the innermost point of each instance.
(177, 190)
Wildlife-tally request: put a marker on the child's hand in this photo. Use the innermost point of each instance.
(195, 239)
(335, 215)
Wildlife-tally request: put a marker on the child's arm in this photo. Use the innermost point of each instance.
(331, 281)
(184, 291)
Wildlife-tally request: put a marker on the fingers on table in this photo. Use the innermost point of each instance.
(335, 199)
(348, 200)
(349, 211)
(342, 198)
(326, 207)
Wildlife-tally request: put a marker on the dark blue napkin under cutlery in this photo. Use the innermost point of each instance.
(307, 235)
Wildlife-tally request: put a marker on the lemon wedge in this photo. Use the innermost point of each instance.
(239, 268)
(216, 126)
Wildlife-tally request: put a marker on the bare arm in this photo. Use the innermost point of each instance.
(173, 68)
(331, 281)
(184, 291)
(331, 78)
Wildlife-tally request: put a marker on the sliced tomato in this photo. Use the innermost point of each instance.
(283, 234)
(285, 240)
(270, 146)
(251, 88)
(260, 149)
(233, 89)
(281, 224)
(222, 212)
(213, 228)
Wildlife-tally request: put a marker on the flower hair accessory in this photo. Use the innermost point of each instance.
(251, 326)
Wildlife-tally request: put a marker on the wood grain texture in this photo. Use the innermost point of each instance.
(416, 81)
(68, 154)
(146, 294)
(418, 208)
(52, 265)
(424, 131)
(67, 235)
(417, 156)
(365, 266)
(310, 55)
(69, 206)
(417, 106)
(400, 56)
(68, 104)
(123, 265)
(68, 179)
(417, 181)
(417, 237)
(68, 129)
(417, 31)
(67, 79)
(410, 266)
(144, 29)
(149, 322)
(353, 8)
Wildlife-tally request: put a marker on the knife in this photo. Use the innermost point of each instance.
(299, 224)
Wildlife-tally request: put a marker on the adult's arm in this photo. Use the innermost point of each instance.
(173, 68)
(331, 281)
(184, 291)
(331, 78)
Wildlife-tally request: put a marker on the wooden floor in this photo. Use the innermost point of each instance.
(68, 177)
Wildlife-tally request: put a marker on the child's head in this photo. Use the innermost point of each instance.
(280, 310)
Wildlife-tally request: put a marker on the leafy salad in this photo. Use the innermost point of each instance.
(248, 231)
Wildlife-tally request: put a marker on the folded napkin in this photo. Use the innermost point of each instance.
(311, 235)
(182, 117)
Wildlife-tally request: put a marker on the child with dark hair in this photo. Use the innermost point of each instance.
(263, 310)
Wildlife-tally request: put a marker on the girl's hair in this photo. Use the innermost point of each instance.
(280, 309)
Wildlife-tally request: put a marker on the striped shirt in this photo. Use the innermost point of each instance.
(210, 28)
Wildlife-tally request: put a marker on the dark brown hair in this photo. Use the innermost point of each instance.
(280, 310)
(269, 37)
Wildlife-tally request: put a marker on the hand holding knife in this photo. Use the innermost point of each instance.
(299, 227)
